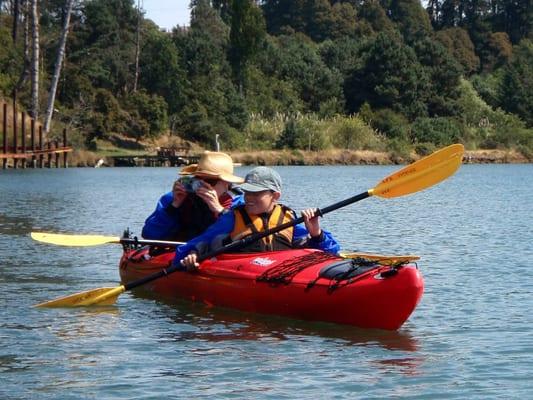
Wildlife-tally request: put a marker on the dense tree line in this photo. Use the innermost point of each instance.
(387, 74)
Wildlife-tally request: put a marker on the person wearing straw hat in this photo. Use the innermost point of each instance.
(201, 194)
(260, 211)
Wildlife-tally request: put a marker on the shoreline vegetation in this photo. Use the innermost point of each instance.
(272, 82)
(326, 157)
(365, 157)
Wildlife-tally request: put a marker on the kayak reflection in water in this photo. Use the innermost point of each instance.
(197, 199)
(261, 211)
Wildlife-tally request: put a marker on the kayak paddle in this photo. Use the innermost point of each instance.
(94, 240)
(417, 176)
(381, 258)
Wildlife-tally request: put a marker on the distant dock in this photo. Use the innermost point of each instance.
(165, 157)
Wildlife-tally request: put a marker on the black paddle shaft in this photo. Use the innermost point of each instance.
(245, 241)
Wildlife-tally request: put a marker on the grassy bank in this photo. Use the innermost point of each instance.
(365, 157)
(84, 158)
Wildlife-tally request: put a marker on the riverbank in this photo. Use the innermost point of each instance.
(82, 158)
(365, 157)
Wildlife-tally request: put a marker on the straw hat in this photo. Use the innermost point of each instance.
(213, 164)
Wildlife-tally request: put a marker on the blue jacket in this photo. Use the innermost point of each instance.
(163, 224)
(224, 225)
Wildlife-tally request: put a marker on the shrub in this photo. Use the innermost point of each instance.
(148, 113)
(354, 134)
(400, 149)
(305, 133)
(440, 131)
(261, 133)
(392, 124)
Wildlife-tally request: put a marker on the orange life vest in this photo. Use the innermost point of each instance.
(246, 224)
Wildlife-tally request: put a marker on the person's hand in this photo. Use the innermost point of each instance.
(209, 195)
(178, 194)
(191, 261)
(311, 222)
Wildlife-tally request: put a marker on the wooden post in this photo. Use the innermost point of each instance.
(32, 133)
(15, 141)
(65, 164)
(41, 147)
(56, 144)
(23, 138)
(49, 155)
(4, 130)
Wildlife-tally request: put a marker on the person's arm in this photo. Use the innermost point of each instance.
(314, 237)
(163, 222)
(223, 226)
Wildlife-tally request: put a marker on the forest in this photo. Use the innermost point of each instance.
(383, 75)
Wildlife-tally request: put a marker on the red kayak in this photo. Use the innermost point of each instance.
(304, 284)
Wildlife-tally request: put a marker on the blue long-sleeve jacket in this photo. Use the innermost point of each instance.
(164, 222)
(225, 224)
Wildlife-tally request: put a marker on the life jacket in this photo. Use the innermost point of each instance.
(246, 224)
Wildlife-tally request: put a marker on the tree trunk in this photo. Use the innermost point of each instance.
(57, 68)
(137, 46)
(26, 66)
(34, 109)
(15, 20)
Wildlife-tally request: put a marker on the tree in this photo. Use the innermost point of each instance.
(57, 69)
(444, 73)
(34, 108)
(411, 18)
(162, 71)
(298, 61)
(375, 16)
(458, 43)
(389, 77)
(246, 35)
(516, 90)
(281, 14)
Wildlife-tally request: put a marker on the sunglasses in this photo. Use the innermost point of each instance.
(211, 182)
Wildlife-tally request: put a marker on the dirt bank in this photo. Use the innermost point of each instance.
(359, 157)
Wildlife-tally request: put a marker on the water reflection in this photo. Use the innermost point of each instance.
(216, 324)
(408, 365)
(85, 322)
(15, 225)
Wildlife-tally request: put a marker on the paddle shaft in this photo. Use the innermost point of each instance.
(150, 242)
(245, 241)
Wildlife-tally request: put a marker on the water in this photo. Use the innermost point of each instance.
(470, 337)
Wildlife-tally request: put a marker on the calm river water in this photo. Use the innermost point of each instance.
(470, 337)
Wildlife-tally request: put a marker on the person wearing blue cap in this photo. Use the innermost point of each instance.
(260, 211)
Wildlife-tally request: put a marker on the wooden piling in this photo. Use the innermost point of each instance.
(15, 141)
(49, 155)
(32, 135)
(41, 147)
(23, 139)
(57, 154)
(4, 130)
(65, 144)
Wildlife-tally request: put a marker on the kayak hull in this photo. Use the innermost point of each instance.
(382, 297)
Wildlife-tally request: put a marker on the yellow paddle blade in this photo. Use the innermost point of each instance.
(101, 297)
(421, 174)
(381, 258)
(73, 240)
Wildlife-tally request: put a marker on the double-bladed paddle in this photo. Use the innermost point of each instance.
(417, 176)
(63, 239)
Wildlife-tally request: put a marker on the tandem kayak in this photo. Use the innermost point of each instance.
(304, 284)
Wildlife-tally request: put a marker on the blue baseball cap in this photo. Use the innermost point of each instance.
(262, 178)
